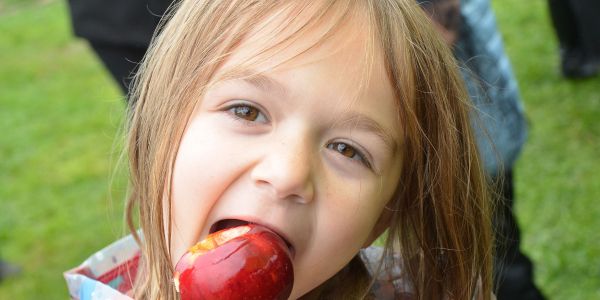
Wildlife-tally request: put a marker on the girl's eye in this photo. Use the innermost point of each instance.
(349, 152)
(247, 112)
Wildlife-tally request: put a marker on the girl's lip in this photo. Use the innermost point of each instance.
(239, 221)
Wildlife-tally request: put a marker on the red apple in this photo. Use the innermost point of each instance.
(244, 262)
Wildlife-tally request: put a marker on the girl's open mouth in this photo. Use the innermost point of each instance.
(230, 223)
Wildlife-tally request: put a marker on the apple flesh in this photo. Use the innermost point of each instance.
(243, 262)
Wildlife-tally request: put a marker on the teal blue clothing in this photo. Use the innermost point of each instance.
(499, 122)
(501, 130)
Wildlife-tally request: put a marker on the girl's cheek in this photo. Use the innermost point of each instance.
(194, 189)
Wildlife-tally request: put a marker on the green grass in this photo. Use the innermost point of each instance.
(558, 183)
(60, 112)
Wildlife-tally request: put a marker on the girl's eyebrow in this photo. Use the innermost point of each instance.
(356, 120)
(265, 83)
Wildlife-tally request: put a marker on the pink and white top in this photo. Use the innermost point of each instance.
(110, 273)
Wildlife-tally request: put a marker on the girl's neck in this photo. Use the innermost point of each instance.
(349, 283)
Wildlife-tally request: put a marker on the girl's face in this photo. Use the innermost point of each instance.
(309, 149)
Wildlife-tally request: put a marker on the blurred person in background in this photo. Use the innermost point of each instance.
(119, 31)
(469, 27)
(577, 26)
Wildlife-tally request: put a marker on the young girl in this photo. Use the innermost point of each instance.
(330, 122)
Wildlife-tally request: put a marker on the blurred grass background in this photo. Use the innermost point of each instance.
(60, 113)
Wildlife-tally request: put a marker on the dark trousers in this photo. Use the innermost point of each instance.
(577, 25)
(513, 270)
(121, 61)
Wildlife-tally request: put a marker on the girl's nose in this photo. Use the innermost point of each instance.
(287, 169)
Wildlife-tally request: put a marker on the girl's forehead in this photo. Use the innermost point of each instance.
(285, 41)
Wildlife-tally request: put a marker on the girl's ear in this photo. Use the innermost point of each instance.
(382, 224)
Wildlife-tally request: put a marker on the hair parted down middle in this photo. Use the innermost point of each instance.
(440, 221)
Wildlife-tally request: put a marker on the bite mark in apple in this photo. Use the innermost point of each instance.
(248, 261)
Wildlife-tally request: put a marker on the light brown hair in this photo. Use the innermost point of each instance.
(439, 222)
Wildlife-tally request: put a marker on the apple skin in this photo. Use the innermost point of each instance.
(244, 262)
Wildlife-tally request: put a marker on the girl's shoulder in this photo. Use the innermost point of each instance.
(107, 274)
(391, 282)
